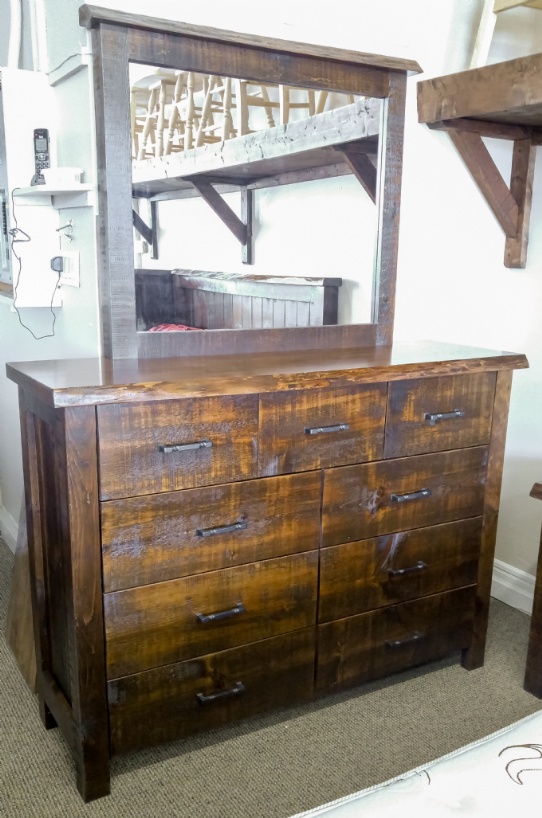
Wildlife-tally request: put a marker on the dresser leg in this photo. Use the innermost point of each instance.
(92, 775)
(533, 670)
(47, 718)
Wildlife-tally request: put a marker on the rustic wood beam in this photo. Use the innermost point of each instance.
(362, 168)
(521, 188)
(222, 209)
(486, 175)
(497, 130)
(148, 233)
(247, 212)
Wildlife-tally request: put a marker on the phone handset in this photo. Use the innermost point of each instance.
(41, 155)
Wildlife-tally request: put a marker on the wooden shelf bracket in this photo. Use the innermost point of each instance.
(511, 204)
(362, 168)
(240, 227)
(149, 234)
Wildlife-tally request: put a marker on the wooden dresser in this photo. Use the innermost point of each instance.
(533, 670)
(213, 538)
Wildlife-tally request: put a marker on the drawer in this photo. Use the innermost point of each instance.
(166, 445)
(372, 645)
(178, 700)
(315, 429)
(360, 576)
(396, 495)
(435, 414)
(170, 621)
(163, 536)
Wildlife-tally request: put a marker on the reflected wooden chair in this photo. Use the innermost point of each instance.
(487, 26)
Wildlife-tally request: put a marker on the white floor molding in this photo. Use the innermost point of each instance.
(513, 586)
(8, 528)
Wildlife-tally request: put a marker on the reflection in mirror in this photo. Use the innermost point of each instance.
(306, 220)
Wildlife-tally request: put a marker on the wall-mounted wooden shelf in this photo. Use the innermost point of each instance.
(502, 101)
(79, 195)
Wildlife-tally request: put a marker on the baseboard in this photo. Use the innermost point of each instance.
(513, 586)
(8, 528)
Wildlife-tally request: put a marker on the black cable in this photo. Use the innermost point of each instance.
(14, 232)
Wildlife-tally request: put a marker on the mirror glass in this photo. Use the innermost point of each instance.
(308, 159)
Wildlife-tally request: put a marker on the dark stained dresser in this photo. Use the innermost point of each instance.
(533, 671)
(213, 538)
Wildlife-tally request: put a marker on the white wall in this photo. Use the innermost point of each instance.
(452, 284)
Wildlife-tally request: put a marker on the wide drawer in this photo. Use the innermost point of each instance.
(360, 576)
(180, 699)
(166, 445)
(163, 536)
(396, 495)
(315, 429)
(435, 414)
(372, 645)
(170, 621)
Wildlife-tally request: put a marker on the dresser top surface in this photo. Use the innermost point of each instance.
(88, 381)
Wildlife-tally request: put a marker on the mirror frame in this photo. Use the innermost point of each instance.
(119, 38)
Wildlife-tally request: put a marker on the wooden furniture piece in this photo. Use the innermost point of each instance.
(215, 537)
(503, 101)
(486, 26)
(533, 671)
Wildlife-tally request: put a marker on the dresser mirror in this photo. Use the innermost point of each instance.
(197, 129)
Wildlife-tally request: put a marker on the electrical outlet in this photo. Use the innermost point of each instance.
(70, 274)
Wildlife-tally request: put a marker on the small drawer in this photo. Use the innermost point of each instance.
(170, 621)
(372, 645)
(178, 700)
(397, 495)
(176, 534)
(435, 414)
(316, 429)
(166, 445)
(360, 576)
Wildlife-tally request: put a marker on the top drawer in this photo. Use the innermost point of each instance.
(435, 414)
(319, 428)
(165, 445)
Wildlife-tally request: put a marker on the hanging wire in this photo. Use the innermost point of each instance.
(15, 232)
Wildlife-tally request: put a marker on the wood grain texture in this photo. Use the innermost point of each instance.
(361, 576)
(285, 445)
(19, 625)
(521, 189)
(130, 438)
(161, 704)
(358, 500)
(158, 624)
(95, 381)
(408, 431)
(473, 657)
(152, 539)
(372, 645)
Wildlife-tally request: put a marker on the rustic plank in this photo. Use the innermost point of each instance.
(521, 189)
(533, 669)
(362, 168)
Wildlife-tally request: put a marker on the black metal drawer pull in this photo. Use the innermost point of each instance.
(222, 529)
(401, 572)
(186, 447)
(411, 495)
(320, 430)
(434, 417)
(410, 640)
(237, 689)
(214, 617)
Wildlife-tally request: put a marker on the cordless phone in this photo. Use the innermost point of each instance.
(41, 155)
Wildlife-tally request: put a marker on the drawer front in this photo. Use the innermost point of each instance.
(315, 429)
(167, 445)
(184, 698)
(435, 414)
(372, 645)
(360, 576)
(396, 495)
(170, 621)
(176, 534)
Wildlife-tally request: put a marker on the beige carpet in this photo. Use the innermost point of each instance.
(275, 766)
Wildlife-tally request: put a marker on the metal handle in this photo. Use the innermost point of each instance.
(411, 495)
(237, 689)
(222, 529)
(399, 643)
(186, 447)
(214, 617)
(434, 417)
(401, 572)
(319, 430)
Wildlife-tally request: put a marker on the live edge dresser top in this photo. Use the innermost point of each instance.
(210, 538)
